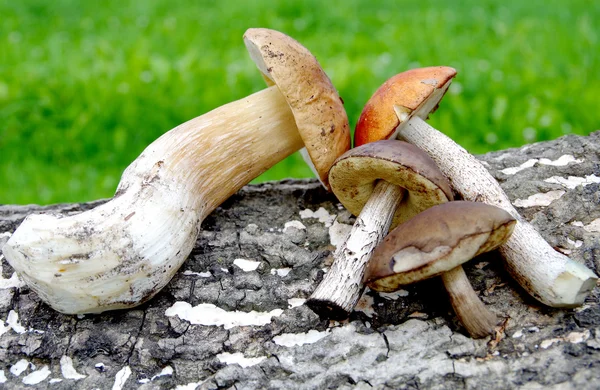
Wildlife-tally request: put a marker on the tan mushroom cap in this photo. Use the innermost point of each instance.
(318, 109)
(414, 92)
(436, 241)
(354, 175)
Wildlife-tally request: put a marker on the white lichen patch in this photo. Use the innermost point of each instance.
(338, 233)
(541, 199)
(593, 227)
(295, 302)
(246, 265)
(393, 295)
(199, 274)
(189, 386)
(280, 271)
(293, 224)
(210, 315)
(573, 181)
(293, 339)
(547, 343)
(321, 214)
(121, 377)
(578, 337)
(12, 322)
(167, 371)
(573, 337)
(67, 369)
(525, 165)
(37, 376)
(12, 282)
(19, 367)
(575, 244)
(2, 376)
(560, 162)
(238, 358)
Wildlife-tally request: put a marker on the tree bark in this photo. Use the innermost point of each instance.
(195, 329)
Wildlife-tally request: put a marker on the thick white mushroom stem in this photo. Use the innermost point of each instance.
(121, 253)
(337, 295)
(546, 274)
(471, 312)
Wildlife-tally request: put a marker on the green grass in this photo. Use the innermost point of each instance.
(86, 85)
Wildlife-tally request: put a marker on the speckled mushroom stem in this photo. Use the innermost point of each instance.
(471, 312)
(546, 274)
(337, 295)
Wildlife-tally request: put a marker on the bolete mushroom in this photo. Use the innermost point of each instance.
(383, 183)
(436, 242)
(121, 253)
(398, 108)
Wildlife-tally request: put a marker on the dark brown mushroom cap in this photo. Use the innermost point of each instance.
(414, 92)
(318, 109)
(435, 241)
(354, 175)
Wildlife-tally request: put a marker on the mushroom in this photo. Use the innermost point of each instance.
(121, 253)
(436, 242)
(383, 183)
(398, 108)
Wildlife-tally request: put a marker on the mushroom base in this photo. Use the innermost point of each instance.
(341, 288)
(123, 252)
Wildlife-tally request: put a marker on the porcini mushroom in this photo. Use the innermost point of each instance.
(383, 183)
(436, 242)
(546, 274)
(121, 253)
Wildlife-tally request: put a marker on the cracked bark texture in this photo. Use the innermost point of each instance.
(409, 339)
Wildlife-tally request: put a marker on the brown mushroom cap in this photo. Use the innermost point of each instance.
(354, 175)
(318, 109)
(414, 92)
(435, 241)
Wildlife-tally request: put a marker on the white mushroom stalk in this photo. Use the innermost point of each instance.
(337, 295)
(120, 254)
(383, 183)
(398, 110)
(546, 274)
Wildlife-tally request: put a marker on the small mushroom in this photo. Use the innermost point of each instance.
(384, 183)
(398, 108)
(122, 253)
(436, 242)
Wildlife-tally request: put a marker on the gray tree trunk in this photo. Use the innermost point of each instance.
(408, 339)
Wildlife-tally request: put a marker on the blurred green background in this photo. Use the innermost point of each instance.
(86, 85)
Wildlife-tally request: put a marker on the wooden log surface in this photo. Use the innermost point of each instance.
(232, 317)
